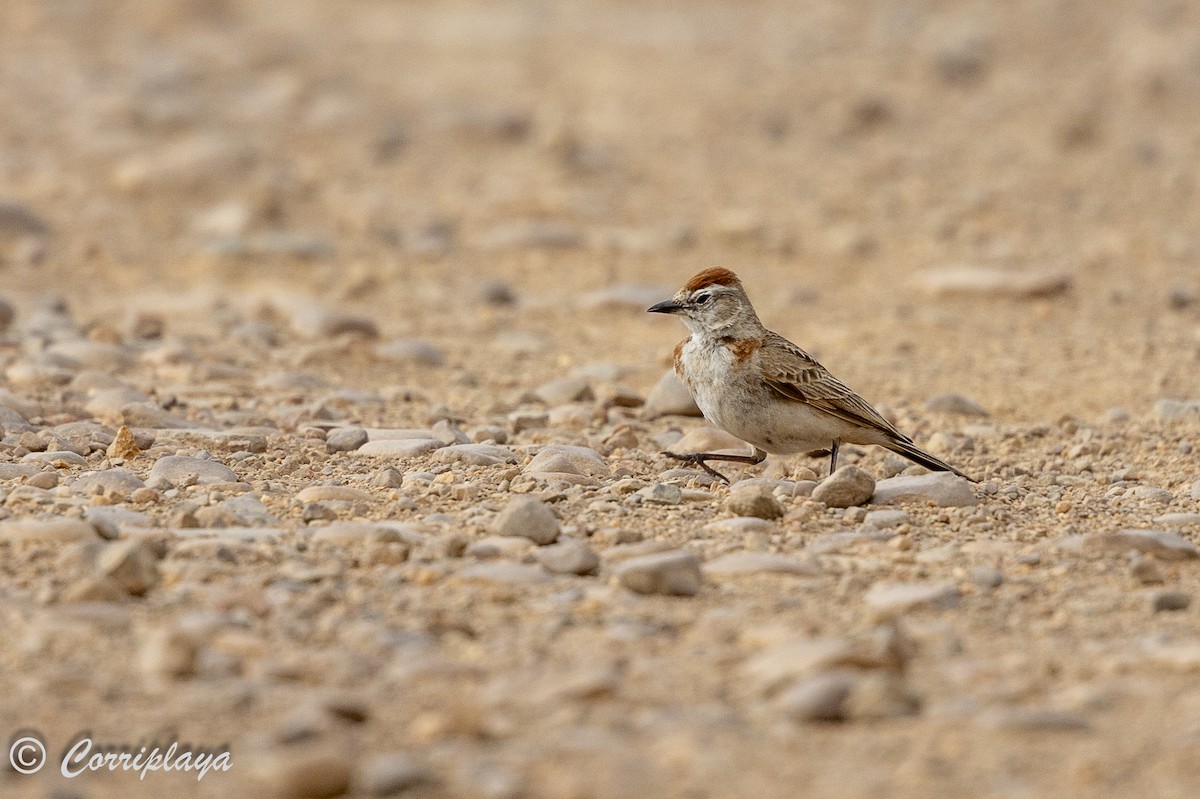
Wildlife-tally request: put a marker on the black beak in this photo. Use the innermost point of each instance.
(666, 306)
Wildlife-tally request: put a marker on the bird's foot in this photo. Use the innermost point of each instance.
(698, 459)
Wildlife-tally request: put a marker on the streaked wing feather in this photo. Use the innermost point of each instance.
(795, 375)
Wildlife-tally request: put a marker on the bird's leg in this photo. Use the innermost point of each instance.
(833, 453)
(700, 458)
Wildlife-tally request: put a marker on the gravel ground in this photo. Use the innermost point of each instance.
(332, 419)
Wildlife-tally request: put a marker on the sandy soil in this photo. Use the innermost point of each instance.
(248, 231)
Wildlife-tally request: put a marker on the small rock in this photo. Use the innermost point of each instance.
(819, 698)
(132, 564)
(391, 774)
(530, 518)
(505, 572)
(345, 439)
(475, 455)
(709, 439)
(124, 445)
(564, 390)
(47, 531)
(674, 573)
(569, 556)
(556, 460)
(669, 397)
(387, 478)
(661, 494)
(1170, 600)
(1163, 544)
(757, 501)
(312, 774)
(400, 447)
(885, 519)
(536, 234)
(940, 488)
(987, 577)
(760, 563)
(332, 494)
(111, 482)
(177, 470)
(848, 487)
(169, 653)
(896, 599)
(406, 351)
(984, 282)
(955, 403)
(1176, 409)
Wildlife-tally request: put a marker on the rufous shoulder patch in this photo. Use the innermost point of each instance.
(743, 348)
(679, 357)
(716, 276)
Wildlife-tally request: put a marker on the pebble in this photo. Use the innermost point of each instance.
(346, 533)
(132, 564)
(321, 493)
(530, 518)
(709, 439)
(311, 774)
(987, 577)
(885, 519)
(1170, 600)
(513, 547)
(410, 351)
(391, 774)
(561, 461)
(176, 470)
(848, 487)
(1163, 544)
(118, 482)
(400, 447)
(754, 500)
(124, 445)
(1175, 409)
(819, 698)
(940, 488)
(56, 458)
(896, 599)
(319, 323)
(669, 397)
(564, 390)
(533, 235)
(47, 531)
(674, 573)
(169, 653)
(345, 439)
(1003, 283)
(956, 404)
(736, 563)
(1178, 519)
(569, 556)
(475, 455)
(661, 494)
(16, 471)
(741, 525)
(504, 572)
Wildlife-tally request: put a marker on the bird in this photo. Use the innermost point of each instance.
(765, 390)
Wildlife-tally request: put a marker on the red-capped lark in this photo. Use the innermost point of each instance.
(765, 390)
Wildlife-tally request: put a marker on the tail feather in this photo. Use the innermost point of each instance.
(920, 456)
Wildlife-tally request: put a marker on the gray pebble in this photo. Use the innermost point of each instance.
(177, 470)
(530, 518)
(569, 556)
(1170, 600)
(941, 488)
(848, 487)
(675, 573)
(345, 439)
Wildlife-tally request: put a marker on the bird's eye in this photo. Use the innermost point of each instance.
(703, 298)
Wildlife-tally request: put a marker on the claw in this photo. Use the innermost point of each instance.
(697, 459)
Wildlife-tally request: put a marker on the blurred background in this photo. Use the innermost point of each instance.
(994, 198)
